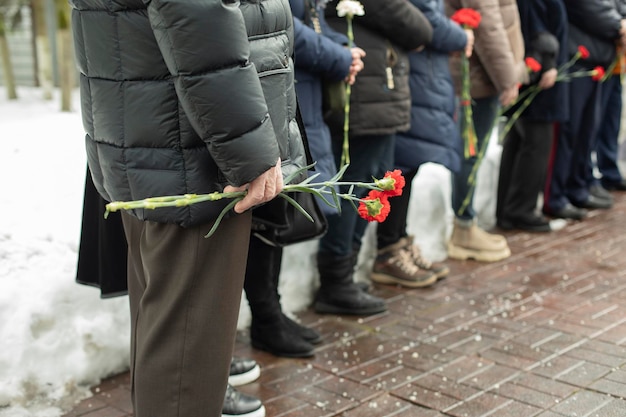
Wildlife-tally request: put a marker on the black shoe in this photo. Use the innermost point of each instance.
(241, 405)
(529, 223)
(307, 333)
(347, 299)
(243, 371)
(567, 212)
(615, 186)
(593, 202)
(279, 339)
(600, 192)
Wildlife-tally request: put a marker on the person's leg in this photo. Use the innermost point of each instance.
(185, 292)
(528, 176)
(577, 184)
(508, 162)
(468, 241)
(394, 227)
(338, 249)
(398, 260)
(270, 330)
(608, 136)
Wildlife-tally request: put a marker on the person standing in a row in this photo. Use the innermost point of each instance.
(433, 137)
(598, 27)
(496, 69)
(379, 108)
(526, 148)
(183, 97)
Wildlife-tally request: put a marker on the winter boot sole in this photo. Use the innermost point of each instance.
(277, 352)
(460, 253)
(382, 278)
(321, 307)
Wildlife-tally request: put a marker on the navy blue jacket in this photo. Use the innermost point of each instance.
(538, 17)
(433, 135)
(317, 57)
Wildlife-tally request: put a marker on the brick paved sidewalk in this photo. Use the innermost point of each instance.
(542, 333)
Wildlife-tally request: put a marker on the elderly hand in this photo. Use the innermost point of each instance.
(261, 190)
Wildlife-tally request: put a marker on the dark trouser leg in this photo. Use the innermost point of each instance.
(270, 330)
(510, 148)
(394, 227)
(370, 156)
(261, 282)
(184, 292)
(608, 135)
(570, 162)
(528, 169)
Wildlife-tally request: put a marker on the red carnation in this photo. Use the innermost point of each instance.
(598, 74)
(375, 207)
(468, 18)
(583, 52)
(532, 64)
(392, 183)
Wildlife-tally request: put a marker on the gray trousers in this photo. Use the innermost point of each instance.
(184, 292)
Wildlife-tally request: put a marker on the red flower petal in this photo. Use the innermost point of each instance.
(532, 64)
(398, 183)
(374, 207)
(584, 52)
(598, 74)
(467, 17)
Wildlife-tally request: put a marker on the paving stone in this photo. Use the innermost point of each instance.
(582, 403)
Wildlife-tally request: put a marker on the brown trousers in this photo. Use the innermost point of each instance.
(184, 292)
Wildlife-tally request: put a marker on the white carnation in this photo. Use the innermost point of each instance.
(350, 8)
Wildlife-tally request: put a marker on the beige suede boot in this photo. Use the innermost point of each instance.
(474, 243)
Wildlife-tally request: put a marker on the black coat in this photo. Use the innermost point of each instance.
(594, 25)
(387, 31)
(538, 18)
(102, 252)
(185, 97)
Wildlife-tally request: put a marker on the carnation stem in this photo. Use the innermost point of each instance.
(345, 153)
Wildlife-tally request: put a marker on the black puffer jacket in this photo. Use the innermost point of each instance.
(594, 25)
(185, 96)
(380, 103)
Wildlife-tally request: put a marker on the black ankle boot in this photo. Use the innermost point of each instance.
(307, 333)
(277, 338)
(338, 294)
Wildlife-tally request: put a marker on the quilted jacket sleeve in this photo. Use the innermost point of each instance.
(397, 20)
(319, 54)
(205, 46)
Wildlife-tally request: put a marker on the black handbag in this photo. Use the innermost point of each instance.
(279, 223)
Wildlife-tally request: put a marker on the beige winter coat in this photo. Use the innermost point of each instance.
(498, 59)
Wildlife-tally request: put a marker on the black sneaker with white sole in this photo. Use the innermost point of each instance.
(238, 404)
(243, 371)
